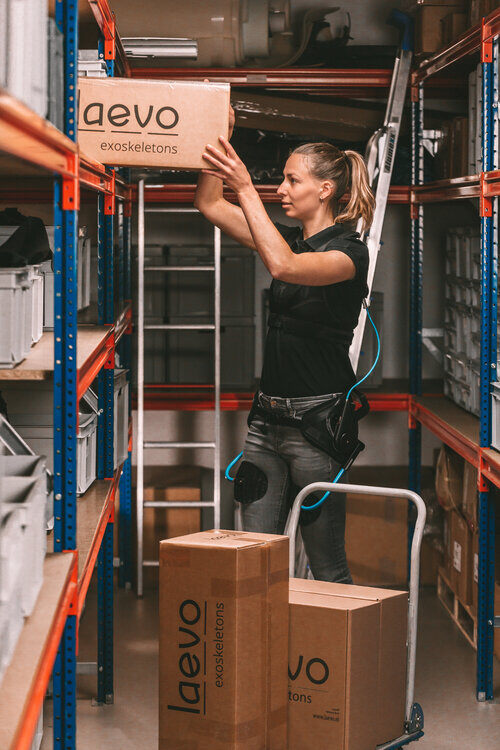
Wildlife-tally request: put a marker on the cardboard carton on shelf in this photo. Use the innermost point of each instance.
(469, 494)
(333, 672)
(391, 670)
(461, 542)
(223, 641)
(449, 479)
(428, 30)
(452, 25)
(376, 539)
(167, 124)
(170, 484)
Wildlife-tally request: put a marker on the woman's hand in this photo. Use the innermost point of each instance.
(227, 167)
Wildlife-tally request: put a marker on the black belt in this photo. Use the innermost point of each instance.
(308, 329)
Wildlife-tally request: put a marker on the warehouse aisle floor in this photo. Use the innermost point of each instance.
(445, 683)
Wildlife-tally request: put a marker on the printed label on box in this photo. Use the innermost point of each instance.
(457, 556)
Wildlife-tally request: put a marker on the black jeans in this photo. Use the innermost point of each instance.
(290, 463)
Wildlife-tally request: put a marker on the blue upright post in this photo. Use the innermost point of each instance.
(486, 573)
(125, 525)
(105, 618)
(416, 281)
(105, 464)
(65, 380)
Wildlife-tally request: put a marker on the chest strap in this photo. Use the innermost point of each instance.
(308, 329)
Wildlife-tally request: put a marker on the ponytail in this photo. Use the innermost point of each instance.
(361, 203)
(347, 170)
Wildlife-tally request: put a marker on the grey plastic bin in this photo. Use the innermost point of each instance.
(121, 417)
(31, 467)
(31, 414)
(37, 303)
(28, 496)
(16, 304)
(83, 270)
(11, 571)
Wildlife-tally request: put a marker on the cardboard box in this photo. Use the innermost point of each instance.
(131, 122)
(393, 623)
(431, 559)
(170, 484)
(448, 547)
(452, 25)
(461, 542)
(474, 571)
(428, 31)
(469, 495)
(333, 671)
(480, 9)
(376, 539)
(223, 641)
(449, 479)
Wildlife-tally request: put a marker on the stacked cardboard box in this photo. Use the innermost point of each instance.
(346, 691)
(223, 641)
(168, 484)
(376, 539)
(431, 24)
(478, 9)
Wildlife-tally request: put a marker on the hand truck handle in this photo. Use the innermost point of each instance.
(291, 531)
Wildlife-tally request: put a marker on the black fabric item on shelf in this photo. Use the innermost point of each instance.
(28, 245)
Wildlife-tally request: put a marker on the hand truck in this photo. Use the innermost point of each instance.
(414, 717)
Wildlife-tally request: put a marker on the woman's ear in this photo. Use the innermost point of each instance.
(327, 190)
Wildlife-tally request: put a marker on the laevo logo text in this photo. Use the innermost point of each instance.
(192, 658)
(315, 671)
(122, 115)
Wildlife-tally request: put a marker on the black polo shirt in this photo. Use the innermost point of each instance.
(300, 365)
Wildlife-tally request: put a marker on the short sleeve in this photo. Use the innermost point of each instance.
(357, 252)
(289, 234)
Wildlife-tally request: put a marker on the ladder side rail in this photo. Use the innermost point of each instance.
(217, 364)
(140, 388)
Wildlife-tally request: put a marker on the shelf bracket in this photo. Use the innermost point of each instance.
(71, 186)
(485, 203)
(486, 43)
(110, 198)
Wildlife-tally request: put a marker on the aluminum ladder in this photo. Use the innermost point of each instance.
(141, 329)
(380, 154)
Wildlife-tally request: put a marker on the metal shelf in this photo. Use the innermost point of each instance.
(178, 193)
(24, 684)
(200, 398)
(113, 47)
(343, 82)
(95, 509)
(466, 45)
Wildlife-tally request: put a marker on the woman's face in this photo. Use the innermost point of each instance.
(300, 192)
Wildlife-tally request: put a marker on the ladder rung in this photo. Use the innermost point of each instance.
(181, 327)
(163, 444)
(179, 268)
(186, 504)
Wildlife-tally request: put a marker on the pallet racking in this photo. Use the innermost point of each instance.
(468, 436)
(74, 357)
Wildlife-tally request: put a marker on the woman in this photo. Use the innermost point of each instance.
(319, 275)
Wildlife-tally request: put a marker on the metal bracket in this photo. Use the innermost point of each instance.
(427, 335)
(430, 140)
(110, 199)
(109, 40)
(486, 43)
(71, 186)
(485, 203)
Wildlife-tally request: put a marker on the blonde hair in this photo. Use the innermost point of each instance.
(347, 170)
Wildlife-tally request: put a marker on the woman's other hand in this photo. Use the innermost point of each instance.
(227, 167)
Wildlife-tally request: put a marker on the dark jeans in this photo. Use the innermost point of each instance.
(290, 463)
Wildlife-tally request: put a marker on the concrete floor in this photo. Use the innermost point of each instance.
(444, 685)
